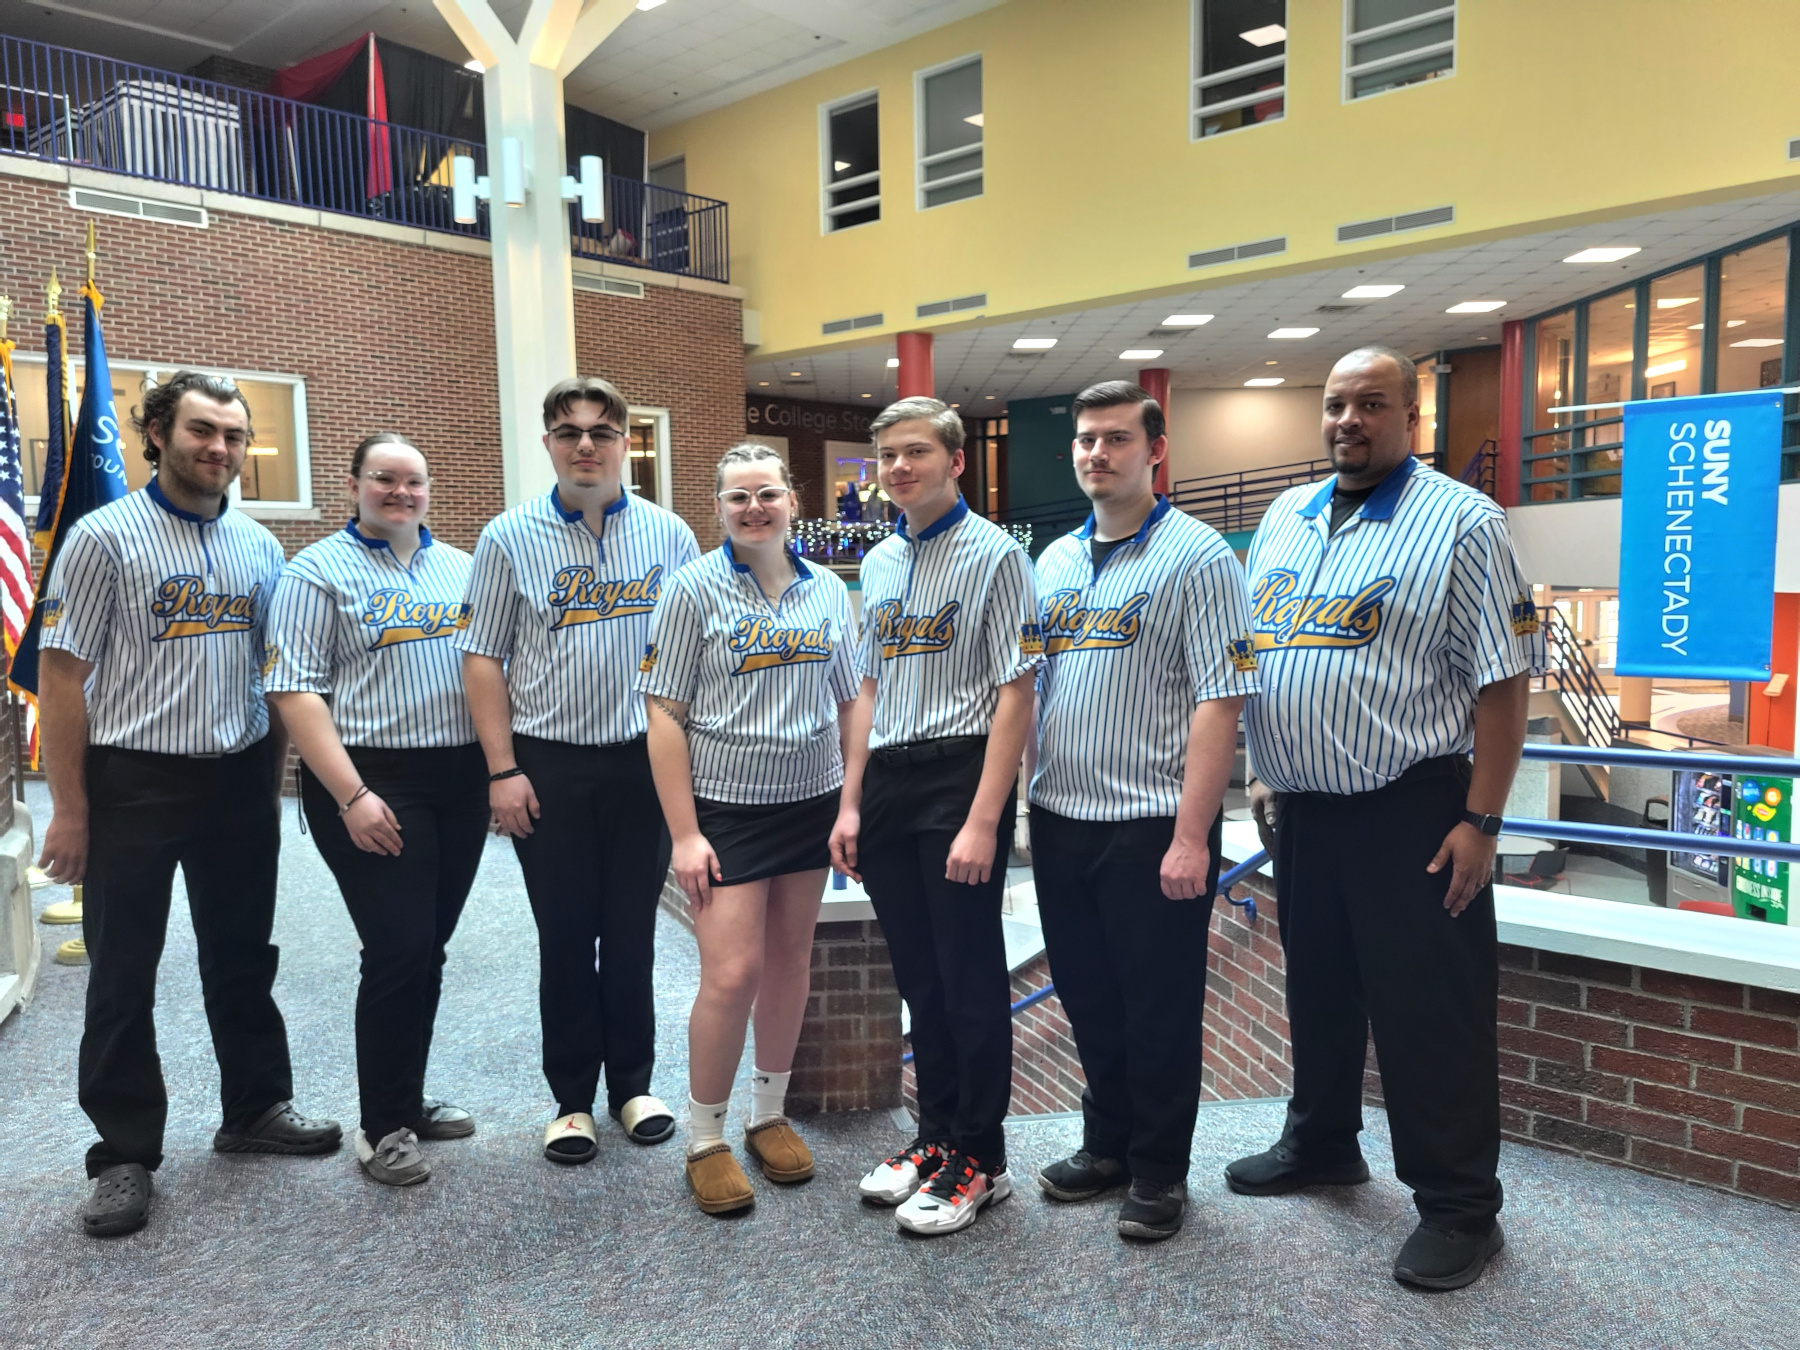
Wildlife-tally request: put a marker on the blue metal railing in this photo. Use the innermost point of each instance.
(1233, 502)
(74, 108)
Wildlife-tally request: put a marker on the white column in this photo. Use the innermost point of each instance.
(534, 310)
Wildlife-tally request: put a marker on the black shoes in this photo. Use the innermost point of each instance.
(281, 1129)
(1152, 1210)
(1276, 1171)
(1439, 1258)
(1082, 1176)
(120, 1202)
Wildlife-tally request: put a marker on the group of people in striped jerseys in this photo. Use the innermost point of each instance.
(626, 709)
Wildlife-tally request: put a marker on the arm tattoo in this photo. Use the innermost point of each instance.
(670, 711)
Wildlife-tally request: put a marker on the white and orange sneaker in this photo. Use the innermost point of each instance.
(957, 1192)
(901, 1175)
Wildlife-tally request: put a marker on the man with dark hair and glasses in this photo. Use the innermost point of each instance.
(560, 605)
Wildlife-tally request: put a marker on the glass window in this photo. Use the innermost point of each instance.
(648, 457)
(1389, 43)
(1672, 360)
(1610, 337)
(1553, 388)
(1240, 64)
(950, 134)
(1752, 313)
(852, 164)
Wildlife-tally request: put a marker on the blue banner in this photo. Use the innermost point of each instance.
(1697, 542)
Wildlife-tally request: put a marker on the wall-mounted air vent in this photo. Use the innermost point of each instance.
(1260, 248)
(609, 285)
(851, 325)
(1794, 148)
(1411, 220)
(961, 302)
(140, 208)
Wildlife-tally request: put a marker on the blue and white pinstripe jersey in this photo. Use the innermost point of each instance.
(568, 610)
(762, 681)
(1374, 643)
(1129, 650)
(948, 617)
(372, 636)
(170, 609)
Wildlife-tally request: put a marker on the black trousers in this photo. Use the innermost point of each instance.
(219, 820)
(404, 908)
(1130, 968)
(946, 944)
(1370, 946)
(594, 866)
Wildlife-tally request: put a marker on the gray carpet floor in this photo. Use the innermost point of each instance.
(500, 1248)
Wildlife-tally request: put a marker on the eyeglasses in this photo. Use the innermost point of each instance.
(739, 498)
(387, 482)
(604, 438)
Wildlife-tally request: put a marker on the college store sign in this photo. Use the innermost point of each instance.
(1697, 546)
(783, 417)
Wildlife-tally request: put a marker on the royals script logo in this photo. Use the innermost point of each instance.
(582, 599)
(1285, 620)
(1069, 626)
(403, 619)
(188, 609)
(914, 634)
(759, 644)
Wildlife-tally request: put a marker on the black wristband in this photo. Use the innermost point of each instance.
(513, 772)
(355, 797)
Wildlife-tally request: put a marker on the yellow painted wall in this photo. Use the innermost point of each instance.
(1558, 110)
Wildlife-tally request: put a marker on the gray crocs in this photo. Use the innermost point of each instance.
(120, 1202)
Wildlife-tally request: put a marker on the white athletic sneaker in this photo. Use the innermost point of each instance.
(953, 1197)
(894, 1180)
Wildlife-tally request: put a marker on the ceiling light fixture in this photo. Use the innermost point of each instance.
(1380, 292)
(1662, 368)
(1475, 307)
(795, 374)
(1603, 254)
(1291, 333)
(1141, 354)
(1263, 382)
(1757, 342)
(1266, 36)
(651, 4)
(763, 384)
(868, 396)
(1033, 344)
(1186, 320)
(893, 363)
(1677, 301)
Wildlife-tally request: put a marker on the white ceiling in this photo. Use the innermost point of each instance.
(977, 368)
(664, 64)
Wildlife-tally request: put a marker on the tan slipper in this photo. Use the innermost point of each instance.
(571, 1139)
(782, 1154)
(718, 1183)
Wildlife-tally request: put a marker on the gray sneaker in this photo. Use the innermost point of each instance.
(395, 1161)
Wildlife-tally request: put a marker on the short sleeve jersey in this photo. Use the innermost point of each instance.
(949, 615)
(567, 608)
(373, 636)
(170, 609)
(762, 680)
(1130, 647)
(1374, 642)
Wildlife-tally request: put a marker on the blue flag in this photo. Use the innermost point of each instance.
(94, 474)
(1697, 542)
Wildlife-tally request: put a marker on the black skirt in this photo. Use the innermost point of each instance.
(753, 842)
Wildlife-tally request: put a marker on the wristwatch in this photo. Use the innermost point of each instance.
(1488, 825)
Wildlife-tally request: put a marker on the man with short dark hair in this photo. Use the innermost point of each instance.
(560, 602)
(1395, 634)
(161, 753)
(949, 647)
(1146, 626)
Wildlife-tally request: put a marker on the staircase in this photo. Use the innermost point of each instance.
(1578, 697)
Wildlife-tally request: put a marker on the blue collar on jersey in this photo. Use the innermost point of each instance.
(367, 542)
(948, 521)
(572, 516)
(157, 496)
(1379, 504)
(1151, 521)
(801, 570)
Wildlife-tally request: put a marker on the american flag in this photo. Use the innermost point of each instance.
(15, 548)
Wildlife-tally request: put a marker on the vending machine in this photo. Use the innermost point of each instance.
(1763, 811)
(1703, 806)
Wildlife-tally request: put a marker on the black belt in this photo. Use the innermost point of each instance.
(923, 752)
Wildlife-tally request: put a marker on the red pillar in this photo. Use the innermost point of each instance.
(1512, 412)
(916, 379)
(1155, 382)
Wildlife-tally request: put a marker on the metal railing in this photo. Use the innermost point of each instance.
(85, 111)
(1590, 707)
(1479, 472)
(1234, 502)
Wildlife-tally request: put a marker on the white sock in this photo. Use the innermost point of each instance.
(706, 1125)
(768, 1095)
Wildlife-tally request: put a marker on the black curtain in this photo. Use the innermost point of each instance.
(430, 93)
(621, 148)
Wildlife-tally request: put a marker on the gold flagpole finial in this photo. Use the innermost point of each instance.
(53, 296)
(92, 253)
(5, 314)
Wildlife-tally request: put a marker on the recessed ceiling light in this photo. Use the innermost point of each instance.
(1293, 332)
(1661, 368)
(651, 4)
(1141, 354)
(1372, 292)
(475, 66)
(1603, 254)
(1475, 307)
(990, 398)
(1736, 323)
(868, 396)
(1757, 342)
(976, 119)
(1033, 344)
(1271, 363)
(795, 374)
(763, 383)
(1263, 382)
(1266, 36)
(893, 363)
(1677, 301)
(1186, 320)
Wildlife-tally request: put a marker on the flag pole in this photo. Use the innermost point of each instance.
(12, 704)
